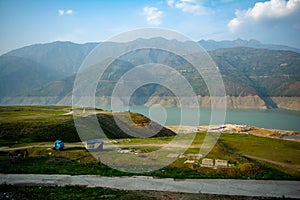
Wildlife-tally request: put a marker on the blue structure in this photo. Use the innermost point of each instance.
(58, 145)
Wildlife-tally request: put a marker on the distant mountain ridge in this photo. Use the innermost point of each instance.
(253, 77)
(35, 51)
(31, 67)
(211, 45)
(62, 57)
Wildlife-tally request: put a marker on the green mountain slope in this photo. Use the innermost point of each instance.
(48, 71)
(62, 57)
(270, 73)
(20, 75)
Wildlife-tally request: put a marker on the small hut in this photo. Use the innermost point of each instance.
(58, 145)
(94, 145)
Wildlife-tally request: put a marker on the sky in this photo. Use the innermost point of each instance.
(26, 22)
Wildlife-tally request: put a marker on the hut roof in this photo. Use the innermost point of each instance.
(94, 141)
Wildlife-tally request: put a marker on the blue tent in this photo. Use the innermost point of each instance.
(58, 145)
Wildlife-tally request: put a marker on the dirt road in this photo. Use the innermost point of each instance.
(290, 166)
(262, 188)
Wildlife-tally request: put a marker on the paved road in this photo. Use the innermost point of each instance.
(206, 186)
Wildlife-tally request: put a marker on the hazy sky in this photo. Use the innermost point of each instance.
(25, 22)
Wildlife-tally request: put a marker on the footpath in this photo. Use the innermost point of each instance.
(261, 188)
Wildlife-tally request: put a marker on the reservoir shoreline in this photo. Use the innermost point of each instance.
(239, 129)
(279, 119)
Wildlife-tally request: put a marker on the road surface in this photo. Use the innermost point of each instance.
(262, 188)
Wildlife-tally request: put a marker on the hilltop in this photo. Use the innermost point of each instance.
(22, 124)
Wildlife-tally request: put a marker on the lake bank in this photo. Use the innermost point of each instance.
(269, 119)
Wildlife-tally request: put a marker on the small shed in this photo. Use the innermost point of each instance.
(206, 162)
(58, 145)
(221, 163)
(94, 145)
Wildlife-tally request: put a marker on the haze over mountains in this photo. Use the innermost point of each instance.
(211, 45)
(255, 75)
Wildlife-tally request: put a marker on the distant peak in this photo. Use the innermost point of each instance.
(253, 41)
(239, 40)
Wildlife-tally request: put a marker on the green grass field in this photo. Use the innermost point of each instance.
(35, 128)
(273, 149)
(27, 124)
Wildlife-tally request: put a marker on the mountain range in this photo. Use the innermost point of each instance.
(255, 75)
(211, 45)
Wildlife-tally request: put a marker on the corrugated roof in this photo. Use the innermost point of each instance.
(94, 141)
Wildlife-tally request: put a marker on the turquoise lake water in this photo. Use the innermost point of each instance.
(271, 118)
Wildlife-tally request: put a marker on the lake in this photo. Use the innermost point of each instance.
(271, 118)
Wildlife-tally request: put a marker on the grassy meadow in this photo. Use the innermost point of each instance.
(35, 129)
